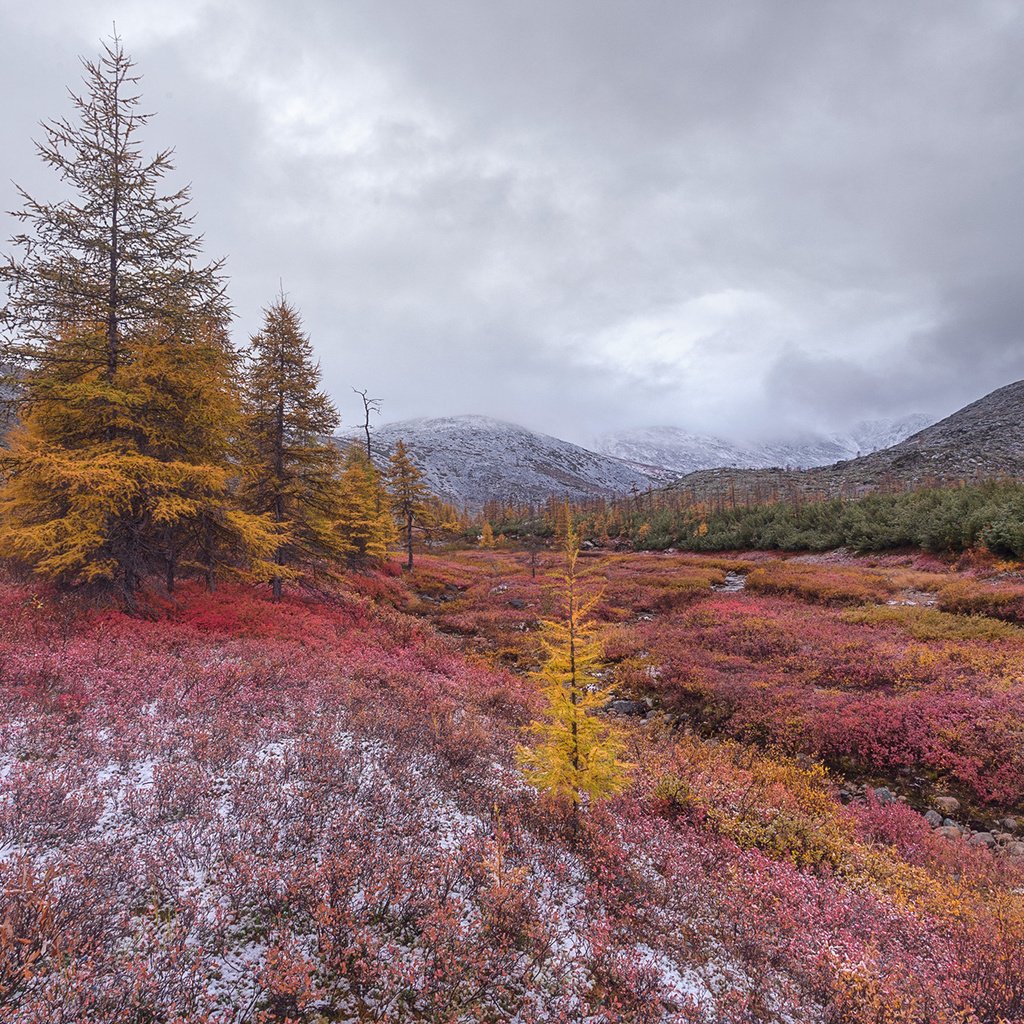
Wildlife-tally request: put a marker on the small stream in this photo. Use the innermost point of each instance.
(734, 582)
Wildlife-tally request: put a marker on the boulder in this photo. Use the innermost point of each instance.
(947, 805)
(1014, 849)
(627, 707)
(949, 832)
(1010, 824)
(982, 839)
(933, 818)
(517, 602)
(884, 795)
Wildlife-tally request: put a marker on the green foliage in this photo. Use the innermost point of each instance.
(943, 520)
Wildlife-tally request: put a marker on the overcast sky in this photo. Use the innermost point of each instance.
(580, 215)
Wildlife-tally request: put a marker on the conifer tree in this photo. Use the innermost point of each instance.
(104, 302)
(290, 465)
(364, 523)
(487, 535)
(409, 497)
(117, 256)
(577, 756)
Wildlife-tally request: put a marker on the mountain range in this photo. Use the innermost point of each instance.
(469, 460)
(684, 452)
(983, 440)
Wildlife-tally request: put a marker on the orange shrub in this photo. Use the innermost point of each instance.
(974, 598)
(821, 584)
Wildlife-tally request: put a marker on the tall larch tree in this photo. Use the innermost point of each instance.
(410, 498)
(291, 465)
(106, 292)
(577, 756)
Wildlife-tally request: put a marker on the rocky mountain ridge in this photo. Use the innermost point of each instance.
(469, 460)
(982, 441)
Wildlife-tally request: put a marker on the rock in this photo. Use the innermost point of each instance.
(588, 545)
(947, 805)
(1014, 849)
(933, 818)
(517, 602)
(982, 839)
(884, 795)
(949, 821)
(845, 796)
(627, 707)
(1003, 837)
(1010, 824)
(949, 832)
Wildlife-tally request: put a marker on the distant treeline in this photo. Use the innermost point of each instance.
(939, 519)
(946, 519)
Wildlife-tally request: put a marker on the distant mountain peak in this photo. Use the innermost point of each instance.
(684, 451)
(471, 459)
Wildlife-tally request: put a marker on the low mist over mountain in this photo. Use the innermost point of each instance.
(685, 452)
(471, 459)
(984, 440)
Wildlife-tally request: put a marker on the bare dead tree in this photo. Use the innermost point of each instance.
(370, 405)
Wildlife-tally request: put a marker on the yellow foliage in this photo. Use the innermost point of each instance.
(364, 521)
(112, 472)
(931, 624)
(577, 755)
(772, 803)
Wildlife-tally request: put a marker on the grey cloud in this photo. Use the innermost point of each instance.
(583, 215)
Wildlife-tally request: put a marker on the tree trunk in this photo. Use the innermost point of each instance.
(408, 540)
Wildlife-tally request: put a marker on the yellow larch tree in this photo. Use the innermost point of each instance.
(289, 462)
(410, 498)
(107, 298)
(577, 756)
(363, 524)
(109, 477)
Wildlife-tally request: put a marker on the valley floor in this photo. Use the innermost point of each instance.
(310, 811)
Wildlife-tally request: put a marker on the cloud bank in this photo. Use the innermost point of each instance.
(586, 215)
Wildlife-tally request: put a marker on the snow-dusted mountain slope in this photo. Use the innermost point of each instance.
(684, 452)
(472, 459)
(982, 441)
